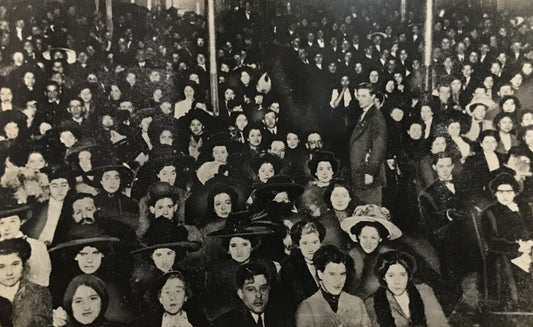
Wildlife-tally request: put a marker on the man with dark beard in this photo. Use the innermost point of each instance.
(275, 208)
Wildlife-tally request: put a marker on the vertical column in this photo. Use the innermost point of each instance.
(403, 9)
(428, 43)
(212, 55)
(109, 15)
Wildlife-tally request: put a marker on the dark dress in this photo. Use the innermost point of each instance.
(296, 282)
(118, 207)
(334, 234)
(507, 284)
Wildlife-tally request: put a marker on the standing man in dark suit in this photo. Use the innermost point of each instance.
(367, 149)
(254, 290)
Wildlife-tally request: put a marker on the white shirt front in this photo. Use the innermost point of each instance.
(177, 320)
(256, 317)
(52, 219)
(492, 160)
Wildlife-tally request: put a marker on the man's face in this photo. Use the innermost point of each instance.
(76, 109)
(6, 96)
(254, 294)
(29, 79)
(270, 120)
(59, 188)
(52, 92)
(365, 98)
(83, 211)
(444, 167)
(277, 148)
(314, 142)
(444, 94)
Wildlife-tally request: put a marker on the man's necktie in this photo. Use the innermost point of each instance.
(260, 322)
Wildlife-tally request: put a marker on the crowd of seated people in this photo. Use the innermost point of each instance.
(330, 187)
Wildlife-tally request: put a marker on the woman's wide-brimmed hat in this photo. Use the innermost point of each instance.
(324, 156)
(160, 190)
(10, 207)
(380, 34)
(83, 145)
(481, 101)
(277, 184)
(164, 233)
(197, 114)
(85, 235)
(126, 173)
(70, 55)
(371, 213)
(220, 139)
(257, 161)
(240, 224)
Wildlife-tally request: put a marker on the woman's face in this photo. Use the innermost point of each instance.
(67, 138)
(9, 227)
(340, 198)
(333, 277)
(309, 244)
(89, 259)
(454, 129)
(245, 78)
(240, 249)
(506, 124)
(12, 130)
(241, 122)
(488, 82)
(505, 194)
(86, 305)
(166, 137)
(373, 77)
(489, 144)
(426, 113)
(324, 172)
(11, 268)
(397, 114)
(196, 127)
(369, 239)
(509, 106)
(345, 81)
(188, 91)
(516, 81)
(220, 154)
(265, 172)
(164, 207)
(157, 95)
(84, 160)
(527, 119)
(438, 145)
(164, 259)
(255, 137)
(115, 92)
(396, 279)
(292, 140)
(111, 181)
(167, 174)
(389, 87)
(222, 205)
(173, 296)
(36, 161)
